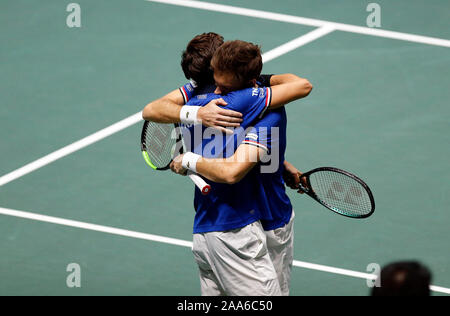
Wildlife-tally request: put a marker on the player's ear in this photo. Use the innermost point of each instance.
(253, 83)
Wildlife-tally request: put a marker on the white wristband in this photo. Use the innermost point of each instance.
(188, 114)
(190, 161)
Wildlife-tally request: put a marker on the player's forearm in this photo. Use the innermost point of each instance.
(225, 170)
(166, 109)
(283, 78)
(220, 170)
(162, 111)
(171, 109)
(291, 91)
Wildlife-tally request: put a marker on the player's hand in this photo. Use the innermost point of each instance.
(292, 177)
(177, 167)
(212, 115)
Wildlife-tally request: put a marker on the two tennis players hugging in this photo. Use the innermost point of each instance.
(234, 127)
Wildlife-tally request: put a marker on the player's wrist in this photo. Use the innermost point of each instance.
(189, 115)
(189, 161)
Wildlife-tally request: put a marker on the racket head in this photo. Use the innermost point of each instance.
(160, 144)
(340, 191)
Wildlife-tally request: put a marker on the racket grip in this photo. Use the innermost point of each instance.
(204, 187)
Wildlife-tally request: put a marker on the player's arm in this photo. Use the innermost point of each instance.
(166, 109)
(276, 80)
(287, 88)
(273, 80)
(221, 170)
(171, 109)
(292, 177)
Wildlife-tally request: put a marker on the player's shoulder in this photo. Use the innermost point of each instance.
(252, 93)
(202, 99)
(191, 90)
(241, 99)
(206, 96)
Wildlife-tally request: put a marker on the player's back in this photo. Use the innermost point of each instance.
(227, 206)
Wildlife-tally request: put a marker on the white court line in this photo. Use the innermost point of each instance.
(296, 43)
(94, 227)
(178, 242)
(319, 267)
(306, 21)
(71, 148)
(136, 118)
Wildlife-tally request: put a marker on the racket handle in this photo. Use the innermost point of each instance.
(204, 187)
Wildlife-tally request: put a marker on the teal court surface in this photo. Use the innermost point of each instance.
(75, 189)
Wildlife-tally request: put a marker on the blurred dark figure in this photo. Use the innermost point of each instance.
(407, 278)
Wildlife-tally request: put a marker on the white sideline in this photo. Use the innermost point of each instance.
(296, 43)
(178, 242)
(71, 148)
(306, 21)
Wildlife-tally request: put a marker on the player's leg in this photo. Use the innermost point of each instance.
(209, 284)
(280, 243)
(242, 262)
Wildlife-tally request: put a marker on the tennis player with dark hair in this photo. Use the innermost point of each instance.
(196, 59)
(253, 197)
(195, 63)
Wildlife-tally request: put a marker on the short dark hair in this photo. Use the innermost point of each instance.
(406, 278)
(242, 59)
(196, 59)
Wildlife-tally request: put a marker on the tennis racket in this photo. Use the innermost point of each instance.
(340, 191)
(160, 144)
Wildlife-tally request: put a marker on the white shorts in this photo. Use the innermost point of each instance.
(280, 243)
(236, 263)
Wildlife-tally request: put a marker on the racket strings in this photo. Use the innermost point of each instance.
(160, 143)
(342, 193)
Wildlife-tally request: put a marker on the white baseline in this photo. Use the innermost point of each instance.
(306, 21)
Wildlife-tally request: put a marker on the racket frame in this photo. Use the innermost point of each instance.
(312, 194)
